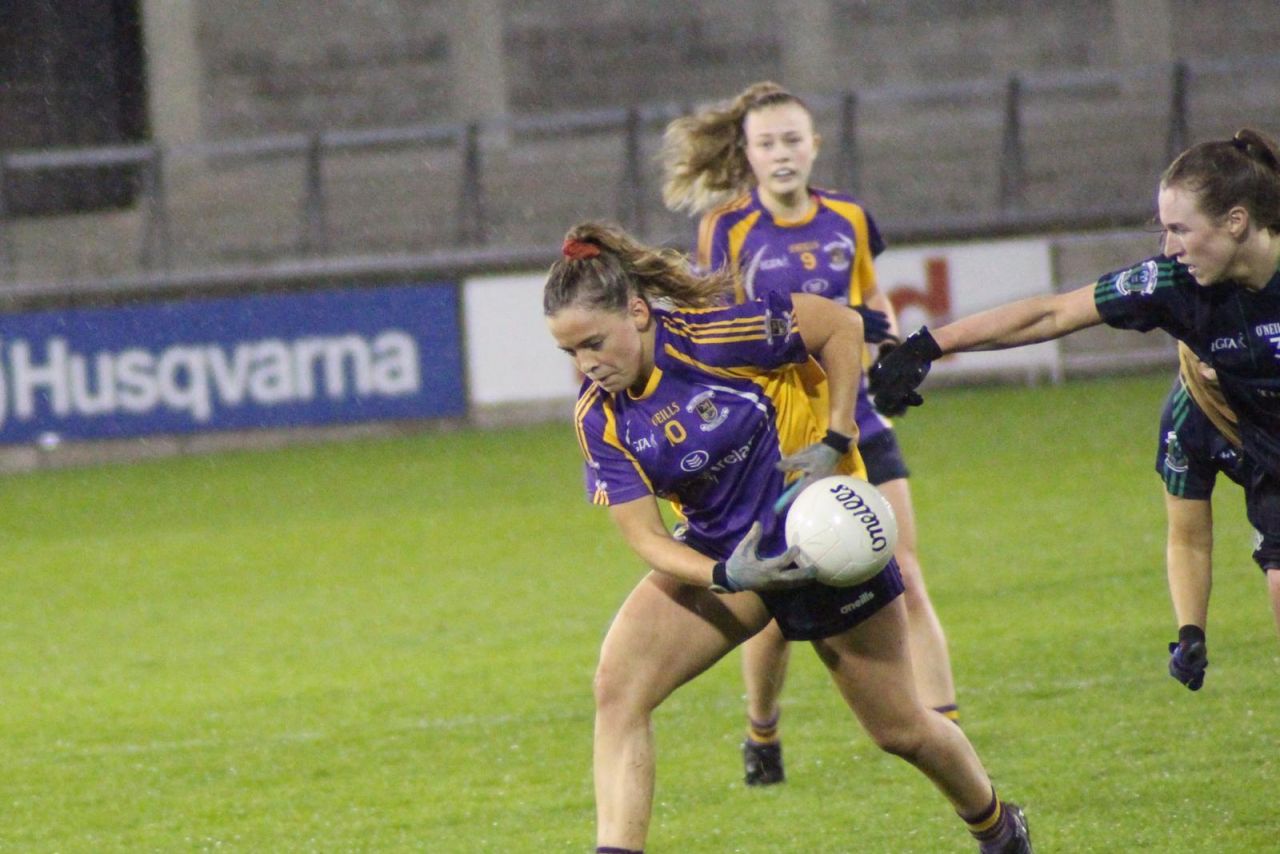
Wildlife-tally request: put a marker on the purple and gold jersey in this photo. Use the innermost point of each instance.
(829, 253)
(1232, 329)
(732, 392)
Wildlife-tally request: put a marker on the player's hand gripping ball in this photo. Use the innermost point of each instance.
(845, 527)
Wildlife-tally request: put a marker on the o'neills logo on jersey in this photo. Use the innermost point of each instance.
(198, 380)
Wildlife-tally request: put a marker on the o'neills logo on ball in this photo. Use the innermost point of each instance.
(858, 509)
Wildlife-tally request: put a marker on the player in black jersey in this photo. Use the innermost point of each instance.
(1199, 440)
(1216, 288)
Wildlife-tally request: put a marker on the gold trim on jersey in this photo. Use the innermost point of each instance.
(610, 436)
(737, 237)
(723, 331)
(1207, 394)
(706, 228)
(804, 218)
(655, 377)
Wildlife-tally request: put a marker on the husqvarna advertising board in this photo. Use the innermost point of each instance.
(262, 361)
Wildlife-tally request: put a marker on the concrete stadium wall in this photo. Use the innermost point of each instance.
(284, 66)
(223, 69)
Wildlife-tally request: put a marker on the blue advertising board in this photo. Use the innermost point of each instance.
(262, 361)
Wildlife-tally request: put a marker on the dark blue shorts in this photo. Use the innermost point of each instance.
(1192, 452)
(818, 611)
(883, 458)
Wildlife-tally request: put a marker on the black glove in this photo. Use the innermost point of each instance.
(875, 325)
(746, 570)
(1189, 657)
(898, 372)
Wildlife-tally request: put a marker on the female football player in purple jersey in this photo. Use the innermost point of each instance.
(746, 166)
(709, 406)
(1216, 289)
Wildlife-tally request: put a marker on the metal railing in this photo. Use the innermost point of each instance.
(483, 189)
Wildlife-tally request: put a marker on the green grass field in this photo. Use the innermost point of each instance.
(388, 646)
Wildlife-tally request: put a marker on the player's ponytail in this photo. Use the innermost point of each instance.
(704, 157)
(602, 267)
(1243, 170)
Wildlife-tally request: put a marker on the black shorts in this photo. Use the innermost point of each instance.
(883, 458)
(818, 611)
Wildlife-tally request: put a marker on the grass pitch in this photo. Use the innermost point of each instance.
(388, 646)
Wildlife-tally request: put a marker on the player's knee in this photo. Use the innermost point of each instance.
(899, 739)
(616, 691)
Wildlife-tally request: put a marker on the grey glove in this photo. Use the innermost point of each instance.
(816, 462)
(746, 570)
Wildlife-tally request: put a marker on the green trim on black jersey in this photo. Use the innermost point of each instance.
(1176, 481)
(1145, 277)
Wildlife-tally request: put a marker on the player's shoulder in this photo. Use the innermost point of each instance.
(1152, 276)
(845, 204)
(684, 328)
(727, 214)
(826, 194)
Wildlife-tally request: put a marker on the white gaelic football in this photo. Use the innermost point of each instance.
(845, 526)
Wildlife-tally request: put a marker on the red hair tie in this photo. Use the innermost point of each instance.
(579, 250)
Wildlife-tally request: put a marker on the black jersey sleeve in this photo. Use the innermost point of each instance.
(1147, 295)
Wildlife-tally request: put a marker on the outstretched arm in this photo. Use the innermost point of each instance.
(1026, 321)
(895, 378)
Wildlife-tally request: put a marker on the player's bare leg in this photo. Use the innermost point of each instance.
(665, 634)
(930, 656)
(764, 671)
(871, 665)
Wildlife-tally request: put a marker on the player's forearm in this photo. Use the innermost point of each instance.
(1025, 321)
(833, 334)
(644, 530)
(841, 359)
(1028, 321)
(667, 555)
(1189, 557)
(1190, 581)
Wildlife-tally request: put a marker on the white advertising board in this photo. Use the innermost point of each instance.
(511, 358)
(932, 285)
